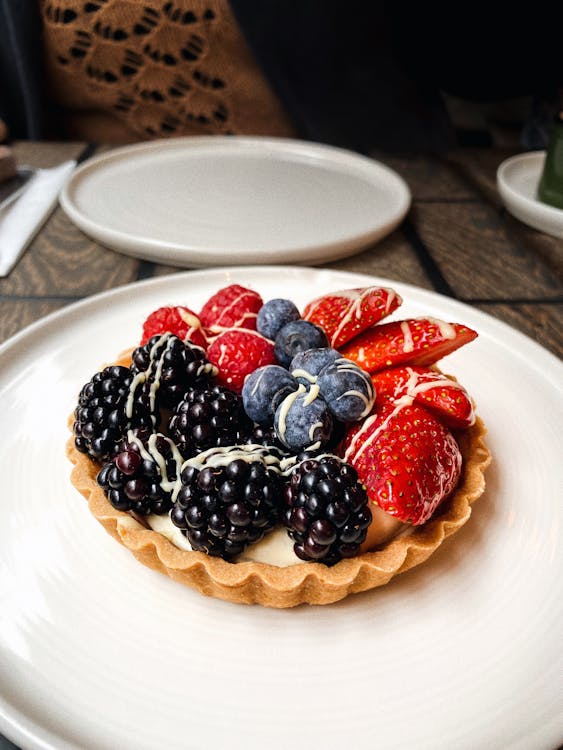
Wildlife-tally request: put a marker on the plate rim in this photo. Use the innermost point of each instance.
(195, 255)
(18, 727)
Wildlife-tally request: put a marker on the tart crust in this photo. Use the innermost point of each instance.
(304, 583)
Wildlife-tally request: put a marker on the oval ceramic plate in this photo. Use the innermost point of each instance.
(207, 201)
(517, 180)
(98, 652)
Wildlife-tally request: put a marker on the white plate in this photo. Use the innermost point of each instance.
(98, 652)
(208, 201)
(517, 181)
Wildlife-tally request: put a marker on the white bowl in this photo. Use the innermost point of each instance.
(517, 182)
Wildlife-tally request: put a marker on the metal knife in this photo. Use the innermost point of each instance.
(13, 187)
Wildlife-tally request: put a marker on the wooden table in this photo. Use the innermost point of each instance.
(457, 240)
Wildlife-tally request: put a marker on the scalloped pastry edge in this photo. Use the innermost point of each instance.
(304, 583)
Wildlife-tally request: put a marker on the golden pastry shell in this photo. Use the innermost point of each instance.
(304, 583)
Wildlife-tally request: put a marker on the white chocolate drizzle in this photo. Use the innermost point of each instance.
(366, 427)
(139, 379)
(156, 364)
(355, 297)
(408, 344)
(421, 383)
(215, 331)
(142, 377)
(312, 395)
(268, 455)
(246, 316)
(447, 331)
(193, 323)
(151, 453)
(312, 428)
(284, 408)
(224, 455)
(408, 392)
(189, 318)
(257, 383)
(300, 373)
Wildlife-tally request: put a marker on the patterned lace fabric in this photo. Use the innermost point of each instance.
(124, 70)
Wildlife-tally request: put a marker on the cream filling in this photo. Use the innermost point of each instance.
(276, 548)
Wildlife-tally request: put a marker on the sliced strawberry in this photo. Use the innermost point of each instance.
(445, 398)
(417, 341)
(233, 306)
(179, 320)
(236, 353)
(343, 315)
(408, 461)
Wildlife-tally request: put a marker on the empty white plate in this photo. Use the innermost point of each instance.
(517, 181)
(207, 201)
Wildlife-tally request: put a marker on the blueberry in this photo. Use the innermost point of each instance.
(301, 421)
(311, 362)
(264, 389)
(273, 315)
(347, 389)
(296, 337)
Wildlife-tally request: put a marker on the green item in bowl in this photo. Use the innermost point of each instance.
(550, 188)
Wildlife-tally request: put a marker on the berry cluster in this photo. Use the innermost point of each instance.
(186, 377)
(305, 402)
(311, 389)
(222, 418)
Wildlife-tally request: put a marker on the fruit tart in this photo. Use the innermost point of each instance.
(263, 454)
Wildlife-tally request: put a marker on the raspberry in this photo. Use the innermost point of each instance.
(232, 307)
(327, 511)
(238, 352)
(180, 321)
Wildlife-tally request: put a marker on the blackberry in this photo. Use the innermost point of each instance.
(223, 509)
(100, 418)
(134, 479)
(259, 435)
(206, 418)
(172, 367)
(327, 513)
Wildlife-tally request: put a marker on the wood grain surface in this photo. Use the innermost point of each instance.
(457, 240)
